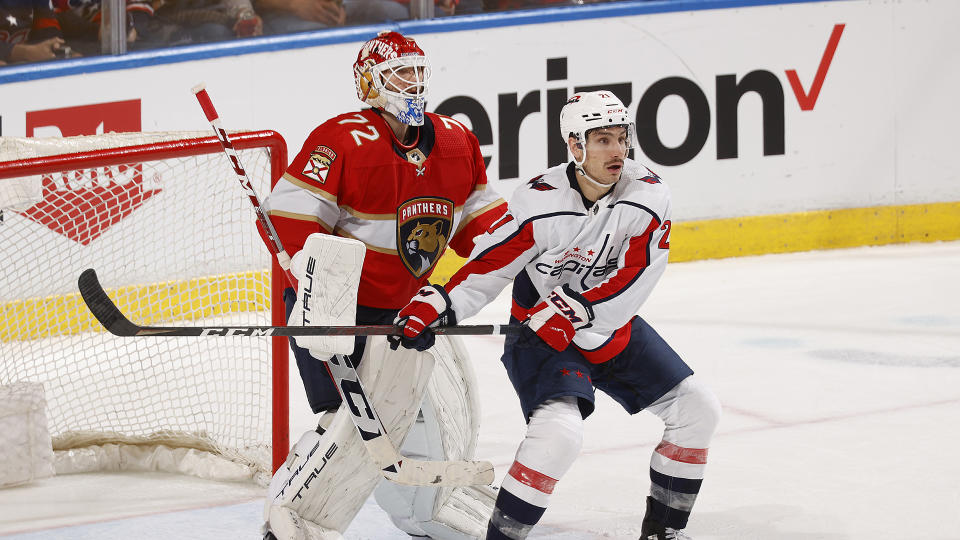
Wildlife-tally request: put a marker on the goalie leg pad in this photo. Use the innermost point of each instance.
(447, 429)
(333, 482)
(285, 524)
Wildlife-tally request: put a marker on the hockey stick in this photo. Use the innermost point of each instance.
(392, 465)
(118, 324)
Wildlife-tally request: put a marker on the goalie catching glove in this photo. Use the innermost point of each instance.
(556, 319)
(429, 307)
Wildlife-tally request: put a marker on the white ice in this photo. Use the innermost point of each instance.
(839, 372)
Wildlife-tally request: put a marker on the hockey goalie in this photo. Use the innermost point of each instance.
(366, 208)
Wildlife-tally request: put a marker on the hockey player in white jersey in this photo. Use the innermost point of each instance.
(584, 244)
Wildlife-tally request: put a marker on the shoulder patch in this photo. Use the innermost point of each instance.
(651, 178)
(539, 185)
(319, 163)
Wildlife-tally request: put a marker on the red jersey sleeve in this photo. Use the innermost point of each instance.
(482, 207)
(304, 200)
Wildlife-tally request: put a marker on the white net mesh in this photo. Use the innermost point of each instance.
(171, 240)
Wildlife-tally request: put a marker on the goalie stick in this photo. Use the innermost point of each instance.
(110, 316)
(392, 465)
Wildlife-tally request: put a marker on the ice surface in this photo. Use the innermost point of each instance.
(839, 372)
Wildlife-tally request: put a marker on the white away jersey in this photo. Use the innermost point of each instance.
(612, 252)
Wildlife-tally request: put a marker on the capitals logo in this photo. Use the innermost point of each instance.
(319, 163)
(539, 185)
(423, 229)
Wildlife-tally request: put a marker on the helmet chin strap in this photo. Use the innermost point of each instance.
(583, 172)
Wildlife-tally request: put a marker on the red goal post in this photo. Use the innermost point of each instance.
(161, 218)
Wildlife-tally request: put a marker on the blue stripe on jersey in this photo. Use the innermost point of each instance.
(673, 483)
(524, 293)
(531, 219)
(640, 206)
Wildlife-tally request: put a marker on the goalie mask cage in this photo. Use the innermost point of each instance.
(164, 222)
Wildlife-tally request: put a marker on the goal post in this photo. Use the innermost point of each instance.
(173, 237)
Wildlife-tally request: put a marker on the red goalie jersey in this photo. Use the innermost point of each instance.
(406, 204)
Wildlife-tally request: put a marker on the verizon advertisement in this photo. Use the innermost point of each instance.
(742, 111)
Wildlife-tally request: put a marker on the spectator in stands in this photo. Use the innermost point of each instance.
(159, 23)
(212, 20)
(288, 16)
(29, 32)
(80, 21)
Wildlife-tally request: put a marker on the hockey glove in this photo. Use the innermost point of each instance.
(557, 319)
(429, 307)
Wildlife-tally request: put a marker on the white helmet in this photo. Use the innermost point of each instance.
(382, 57)
(590, 110)
(585, 111)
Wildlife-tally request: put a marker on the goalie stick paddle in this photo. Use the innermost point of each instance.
(110, 316)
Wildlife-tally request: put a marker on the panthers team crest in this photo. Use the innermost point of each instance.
(319, 163)
(423, 229)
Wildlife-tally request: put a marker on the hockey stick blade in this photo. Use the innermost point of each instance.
(116, 323)
(394, 466)
(103, 307)
(443, 473)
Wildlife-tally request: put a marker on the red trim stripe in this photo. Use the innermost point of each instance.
(635, 261)
(519, 312)
(614, 346)
(697, 456)
(537, 480)
(464, 239)
(496, 257)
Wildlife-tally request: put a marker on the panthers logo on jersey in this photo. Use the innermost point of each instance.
(423, 229)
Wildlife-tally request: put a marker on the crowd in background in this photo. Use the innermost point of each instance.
(38, 30)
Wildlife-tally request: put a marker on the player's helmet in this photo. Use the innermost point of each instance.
(384, 57)
(590, 110)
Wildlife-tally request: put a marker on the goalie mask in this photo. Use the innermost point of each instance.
(586, 111)
(391, 73)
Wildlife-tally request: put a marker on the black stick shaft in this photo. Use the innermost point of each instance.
(116, 323)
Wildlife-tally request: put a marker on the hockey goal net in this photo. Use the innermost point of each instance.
(164, 222)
